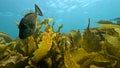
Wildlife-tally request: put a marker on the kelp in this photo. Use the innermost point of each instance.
(69, 61)
(90, 42)
(5, 37)
(43, 48)
(97, 47)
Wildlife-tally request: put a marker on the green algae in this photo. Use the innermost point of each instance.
(96, 47)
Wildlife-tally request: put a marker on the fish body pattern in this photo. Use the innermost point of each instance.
(28, 23)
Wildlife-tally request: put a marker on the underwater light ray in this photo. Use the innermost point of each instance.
(70, 9)
(70, 5)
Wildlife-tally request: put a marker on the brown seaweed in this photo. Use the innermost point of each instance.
(90, 42)
(96, 48)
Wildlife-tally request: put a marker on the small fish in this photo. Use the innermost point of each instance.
(104, 22)
(115, 19)
(28, 23)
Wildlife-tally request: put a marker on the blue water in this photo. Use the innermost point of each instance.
(73, 14)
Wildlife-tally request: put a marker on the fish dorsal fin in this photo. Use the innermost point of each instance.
(38, 11)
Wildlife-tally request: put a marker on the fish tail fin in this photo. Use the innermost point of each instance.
(38, 11)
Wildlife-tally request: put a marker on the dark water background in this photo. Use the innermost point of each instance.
(73, 14)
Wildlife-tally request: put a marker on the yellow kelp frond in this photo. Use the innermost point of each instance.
(46, 22)
(60, 26)
(3, 48)
(75, 37)
(1, 40)
(115, 41)
(6, 37)
(85, 60)
(31, 45)
(110, 27)
(69, 61)
(10, 59)
(26, 46)
(43, 47)
(17, 24)
(113, 46)
(117, 30)
(50, 19)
